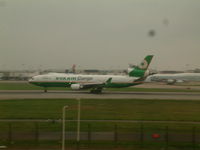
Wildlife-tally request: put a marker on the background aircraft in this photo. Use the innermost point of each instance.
(96, 83)
(174, 78)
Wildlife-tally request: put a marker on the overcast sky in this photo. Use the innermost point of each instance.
(99, 34)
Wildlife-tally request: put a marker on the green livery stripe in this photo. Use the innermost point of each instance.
(68, 84)
(51, 84)
(56, 83)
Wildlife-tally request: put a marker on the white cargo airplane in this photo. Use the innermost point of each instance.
(96, 83)
(175, 78)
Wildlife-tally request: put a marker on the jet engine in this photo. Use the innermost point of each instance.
(135, 72)
(171, 81)
(76, 86)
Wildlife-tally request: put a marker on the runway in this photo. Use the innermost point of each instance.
(38, 94)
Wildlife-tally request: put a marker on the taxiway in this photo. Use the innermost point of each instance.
(38, 94)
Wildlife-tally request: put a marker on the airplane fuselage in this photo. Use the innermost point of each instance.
(175, 77)
(96, 83)
(66, 80)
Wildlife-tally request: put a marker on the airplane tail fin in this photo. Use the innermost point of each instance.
(142, 69)
(145, 63)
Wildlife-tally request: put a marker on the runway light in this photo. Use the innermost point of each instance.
(155, 136)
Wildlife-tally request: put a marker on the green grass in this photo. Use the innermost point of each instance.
(95, 109)
(21, 86)
(27, 86)
(99, 145)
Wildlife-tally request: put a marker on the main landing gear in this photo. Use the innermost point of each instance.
(45, 89)
(96, 91)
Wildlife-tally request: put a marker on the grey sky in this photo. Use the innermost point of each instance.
(101, 34)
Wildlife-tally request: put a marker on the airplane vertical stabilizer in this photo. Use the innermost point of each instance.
(141, 69)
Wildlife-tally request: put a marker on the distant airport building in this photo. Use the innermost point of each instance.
(25, 75)
(17, 75)
(197, 70)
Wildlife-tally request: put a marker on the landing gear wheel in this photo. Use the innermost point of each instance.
(96, 91)
(45, 89)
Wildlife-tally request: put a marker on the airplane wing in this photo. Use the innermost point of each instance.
(97, 84)
(91, 85)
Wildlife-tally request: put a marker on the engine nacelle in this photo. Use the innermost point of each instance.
(76, 86)
(171, 81)
(179, 81)
(135, 72)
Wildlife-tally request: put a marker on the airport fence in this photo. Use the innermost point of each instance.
(102, 133)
